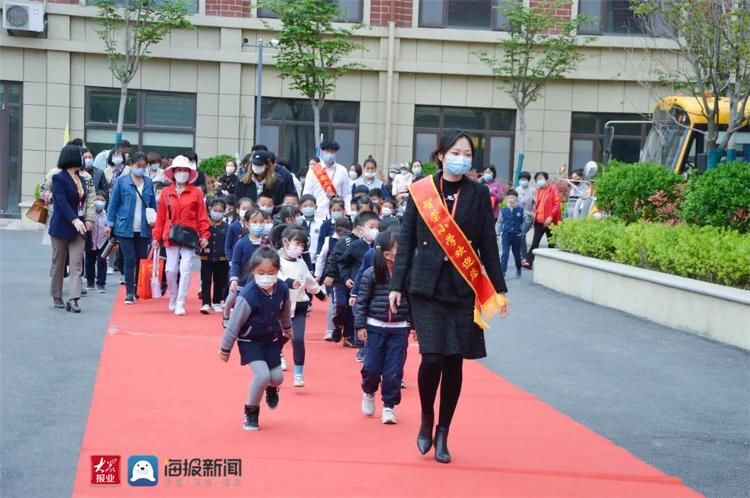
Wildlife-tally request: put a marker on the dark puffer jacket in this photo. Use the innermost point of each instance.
(372, 301)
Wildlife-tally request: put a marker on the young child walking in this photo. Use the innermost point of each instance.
(295, 273)
(241, 255)
(214, 264)
(384, 330)
(343, 225)
(511, 231)
(260, 325)
(96, 267)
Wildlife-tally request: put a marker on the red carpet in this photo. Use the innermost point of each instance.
(161, 390)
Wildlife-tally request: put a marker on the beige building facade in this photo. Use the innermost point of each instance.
(197, 92)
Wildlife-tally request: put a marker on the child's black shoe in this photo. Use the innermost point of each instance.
(272, 397)
(251, 418)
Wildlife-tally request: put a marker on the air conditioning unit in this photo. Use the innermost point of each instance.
(19, 16)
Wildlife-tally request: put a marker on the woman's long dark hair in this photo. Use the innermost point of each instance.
(447, 141)
(269, 175)
(384, 242)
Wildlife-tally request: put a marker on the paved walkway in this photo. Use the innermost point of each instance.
(678, 402)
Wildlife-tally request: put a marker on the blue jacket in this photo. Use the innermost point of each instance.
(326, 230)
(67, 205)
(234, 234)
(121, 209)
(511, 220)
(243, 251)
(367, 261)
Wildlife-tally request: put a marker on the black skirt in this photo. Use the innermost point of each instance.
(446, 329)
(268, 351)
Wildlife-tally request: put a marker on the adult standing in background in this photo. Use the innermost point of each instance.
(99, 181)
(155, 172)
(227, 183)
(401, 182)
(527, 200)
(416, 170)
(132, 203)
(328, 179)
(369, 176)
(67, 228)
(200, 179)
(261, 177)
(497, 189)
(546, 213)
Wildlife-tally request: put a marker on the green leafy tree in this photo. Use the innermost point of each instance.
(128, 29)
(712, 52)
(540, 47)
(311, 49)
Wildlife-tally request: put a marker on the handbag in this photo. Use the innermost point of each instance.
(180, 234)
(38, 212)
(156, 271)
(143, 288)
(150, 212)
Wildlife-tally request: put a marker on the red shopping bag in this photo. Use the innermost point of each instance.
(146, 270)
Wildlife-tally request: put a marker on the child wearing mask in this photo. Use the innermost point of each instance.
(336, 211)
(241, 255)
(96, 267)
(527, 200)
(260, 325)
(342, 225)
(296, 274)
(214, 265)
(511, 230)
(309, 206)
(366, 230)
(265, 203)
(231, 215)
(384, 331)
(238, 228)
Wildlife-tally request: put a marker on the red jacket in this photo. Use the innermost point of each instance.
(547, 204)
(187, 209)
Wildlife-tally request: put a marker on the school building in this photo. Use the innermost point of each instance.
(198, 89)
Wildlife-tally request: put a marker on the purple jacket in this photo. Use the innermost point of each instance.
(497, 194)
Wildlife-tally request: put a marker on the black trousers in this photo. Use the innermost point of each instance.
(216, 273)
(95, 266)
(539, 231)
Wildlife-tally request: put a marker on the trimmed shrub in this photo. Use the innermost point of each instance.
(720, 197)
(707, 253)
(214, 166)
(623, 190)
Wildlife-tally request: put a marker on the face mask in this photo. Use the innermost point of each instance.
(266, 210)
(488, 177)
(299, 220)
(138, 171)
(230, 170)
(371, 234)
(256, 229)
(217, 216)
(99, 205)
(353, 175)
(88, 162)
(523, 183)
(267, 227)
(308, 212)
(417, 171)
(541, 183)
(242, 214)
(369, 175)
(387, 211)
(294, 251)
(457, 165)
(336, 215)
(329, 159)
(392, 175)
(154, 166)
(116, 160)
(259, 170)
(265, 281)
(181, 177)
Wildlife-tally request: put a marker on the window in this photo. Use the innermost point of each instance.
(351, 11)
(492, 129)
(11, 110)
(190, 5)
(462, 14)
(162, 122)
(287, 128)
(609, 17)
(586, 139)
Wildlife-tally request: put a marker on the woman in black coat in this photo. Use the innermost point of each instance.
(442, 303)
(261, 177)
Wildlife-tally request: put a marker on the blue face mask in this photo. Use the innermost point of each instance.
(256, 229)
(456, 165)
(99, 205)
(138, 171)
(336, 215)
(329, 159)
(308, 212)
(217, 216)
(299, 221)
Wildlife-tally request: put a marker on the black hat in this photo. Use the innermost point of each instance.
(261, 157)
(328, 145)
(123, 143)
(70, 157)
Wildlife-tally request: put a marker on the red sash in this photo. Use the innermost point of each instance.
(458, 249)
(323, 179)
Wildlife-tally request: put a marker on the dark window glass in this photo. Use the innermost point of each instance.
(609, 17)
(190, 5)
(11, 137)
(104, 106)
(502, 120)
(467, 119)
(462, 14)
(427, 116)
(176, 111)
(583, 123)
(351, 11)
(587, 140)
(344, 112)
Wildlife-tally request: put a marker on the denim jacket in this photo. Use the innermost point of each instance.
(121, 209)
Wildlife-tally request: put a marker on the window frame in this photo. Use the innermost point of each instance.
(9, 212)
(598, 135)
(601, 30)
(140, 127)
(263, 13)
(493, 18)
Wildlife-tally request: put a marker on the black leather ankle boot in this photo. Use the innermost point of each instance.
(424, 438)
(442, 454)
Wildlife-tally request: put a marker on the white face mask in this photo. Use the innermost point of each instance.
(181, 176)
(369, 174)
(265, 282)
(259, 170)
(387, 211)
(371, 234)
(416, 170)
(242, 214)
(230, 170)
(154, 166)
(116, 160)
(294, 251)
(353, 175)
(541, 183)
(88, 162)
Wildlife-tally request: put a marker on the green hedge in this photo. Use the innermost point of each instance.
(720, 197)
(705, 253)
(214, 166)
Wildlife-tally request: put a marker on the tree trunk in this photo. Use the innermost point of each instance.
(316, 123)
(521, 144)
(713, 148)
(121, 112)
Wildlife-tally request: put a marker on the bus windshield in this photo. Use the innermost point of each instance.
(667, 138)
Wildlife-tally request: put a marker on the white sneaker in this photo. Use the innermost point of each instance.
(206, 309)
(283, 364)
(110, 270)
(180, 310)
(328, 336)
(172, 305)
(217, 308)
(388, 417)
(368, 404)
(299, 381)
